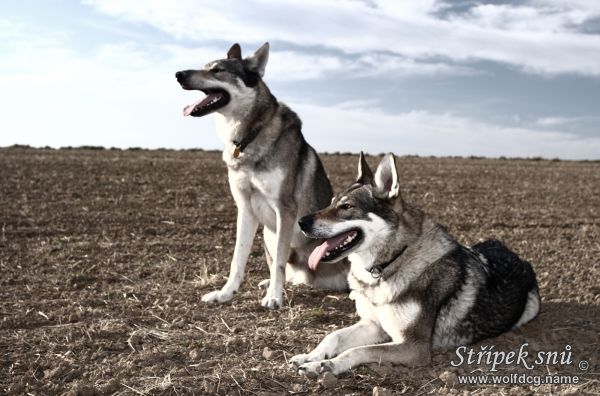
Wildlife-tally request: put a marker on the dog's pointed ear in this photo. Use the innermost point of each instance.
(386, 178)
(365, 175)
(258, 60)
(235, 52)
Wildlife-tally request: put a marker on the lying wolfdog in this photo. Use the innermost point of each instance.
(415, 287)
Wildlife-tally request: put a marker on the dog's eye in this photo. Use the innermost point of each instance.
(217, 69)
(345, 206)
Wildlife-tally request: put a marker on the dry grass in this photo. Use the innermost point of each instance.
(104, 257)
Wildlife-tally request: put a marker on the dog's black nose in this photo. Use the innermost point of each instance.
(305, 223)
(179, 75)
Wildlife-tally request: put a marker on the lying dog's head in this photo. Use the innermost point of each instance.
(225, 81)
(359, 218)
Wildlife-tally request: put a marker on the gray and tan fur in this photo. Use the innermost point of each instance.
(432, 293)
(274, 180)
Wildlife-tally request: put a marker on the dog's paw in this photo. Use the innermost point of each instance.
(273, 299)
(310, 369)
(264, 284)
(335, 366)
(298, 360)
(313, 369)
(272, 302)
(217, 296)
(328, 365)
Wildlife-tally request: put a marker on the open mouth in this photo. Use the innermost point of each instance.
(333, 248)
(215, 99)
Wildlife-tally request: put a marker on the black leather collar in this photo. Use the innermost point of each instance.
(377, 270)
(240, 146)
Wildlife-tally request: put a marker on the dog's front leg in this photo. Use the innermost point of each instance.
(362, 333)
(407, 353)
(283, 236)
(246, 230)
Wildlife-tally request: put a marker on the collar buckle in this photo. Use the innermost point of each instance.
(376, 271)
(240, 146)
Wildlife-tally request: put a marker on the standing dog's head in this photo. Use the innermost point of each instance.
(224, 81)
(361, 218)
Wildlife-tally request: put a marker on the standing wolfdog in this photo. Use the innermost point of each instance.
(274, 175)
(414, 286)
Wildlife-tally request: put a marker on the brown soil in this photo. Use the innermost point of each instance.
(105, 254)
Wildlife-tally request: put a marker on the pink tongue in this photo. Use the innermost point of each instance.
(317, 255)
(187, 110)
(319, 252)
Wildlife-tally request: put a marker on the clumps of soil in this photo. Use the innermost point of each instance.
(105, 255)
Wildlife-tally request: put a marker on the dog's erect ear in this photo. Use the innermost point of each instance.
(258, 60)
(235, 52)
(386, 178)
(365, 175)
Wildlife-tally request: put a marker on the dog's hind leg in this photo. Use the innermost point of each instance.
(268, 240)
(295, 272)
(285, 226)
(246, 230)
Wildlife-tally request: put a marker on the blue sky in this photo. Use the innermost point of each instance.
(466, 77)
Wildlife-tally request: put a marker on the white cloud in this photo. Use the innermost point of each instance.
(553, 121)
(121, 96)
(355, 128)
(126, 95)
(539, 37)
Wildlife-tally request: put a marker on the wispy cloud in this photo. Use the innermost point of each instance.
(539, 36)
(122, 92)
(113, 94)
(553, 121)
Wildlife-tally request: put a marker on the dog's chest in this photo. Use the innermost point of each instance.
(251, 182)
(377, 292)
(394, 318)
(259, 189)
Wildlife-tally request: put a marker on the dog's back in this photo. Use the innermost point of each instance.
(512, 279)
(498, 292)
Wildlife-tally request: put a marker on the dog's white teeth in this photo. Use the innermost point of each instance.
(349, 239)
(343, 243)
